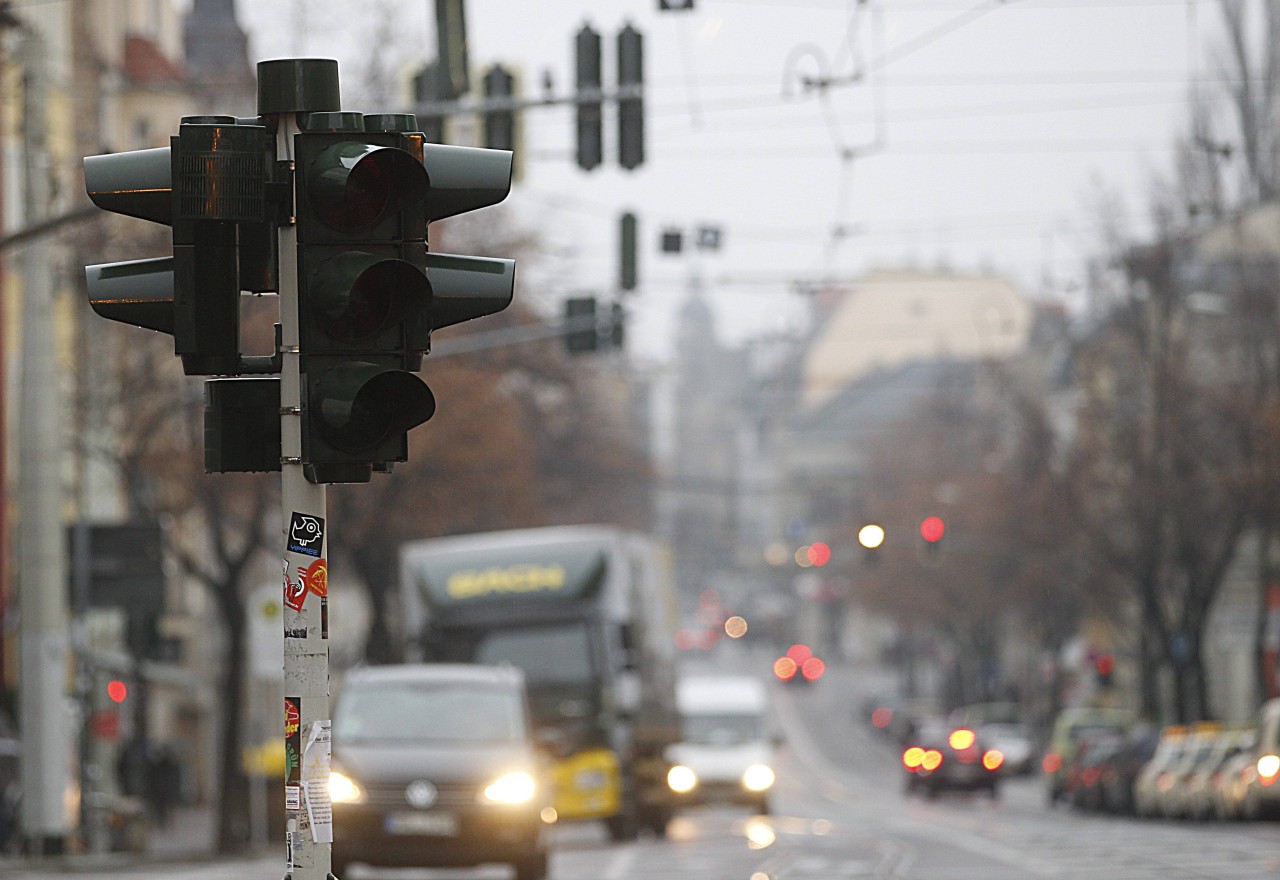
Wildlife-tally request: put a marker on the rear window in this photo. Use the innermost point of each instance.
(423, 712)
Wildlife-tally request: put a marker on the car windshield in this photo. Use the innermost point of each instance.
(721, 729)
(428, 712)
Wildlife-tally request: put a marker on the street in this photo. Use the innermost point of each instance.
(841, 813)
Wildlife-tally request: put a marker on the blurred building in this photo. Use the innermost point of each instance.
(104, 76)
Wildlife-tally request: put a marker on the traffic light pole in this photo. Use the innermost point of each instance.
(307, 725)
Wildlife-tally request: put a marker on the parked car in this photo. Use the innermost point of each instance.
(1069, 728)
(1083, 786)
(1232, 792)
(1257, 788)
(945, 759)
(1120, 772)
(434, 766)
(1156, 774)
(1174, 784)
(1199, 798)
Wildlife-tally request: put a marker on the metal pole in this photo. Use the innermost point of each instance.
(308, 814)
(42, 581)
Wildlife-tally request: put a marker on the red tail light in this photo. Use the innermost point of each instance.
(992, 759)
(785, 668)
(912, 758)
(1052, 763)
(813, 668)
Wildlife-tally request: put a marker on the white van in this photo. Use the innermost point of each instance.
(726, 753)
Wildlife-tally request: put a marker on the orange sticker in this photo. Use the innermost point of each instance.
(316, 577)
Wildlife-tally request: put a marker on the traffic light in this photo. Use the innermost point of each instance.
(931, 529)
(369, 294)
(1104, 665)
(581, 332)
(211, 185)
(590, 108)
(500, 123)
(117, 691)
(630, 98)
(627, 251)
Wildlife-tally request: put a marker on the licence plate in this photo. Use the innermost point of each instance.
(434, 824)
(588, 780)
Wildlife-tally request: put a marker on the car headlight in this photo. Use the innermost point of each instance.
(757, 777)
(681, 779)
(512, 788)
(343, 789)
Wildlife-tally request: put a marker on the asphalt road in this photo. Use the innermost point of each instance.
(841, 814)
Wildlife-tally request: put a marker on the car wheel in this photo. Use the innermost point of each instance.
(624, 825)
(532, 868)
(656, 820)
(994, 792)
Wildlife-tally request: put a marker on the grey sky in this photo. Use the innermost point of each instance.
(996, 116)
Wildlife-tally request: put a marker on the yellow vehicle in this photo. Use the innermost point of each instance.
(587, 612)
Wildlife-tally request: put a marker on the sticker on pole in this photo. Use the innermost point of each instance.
(306, 534)
(293, 753)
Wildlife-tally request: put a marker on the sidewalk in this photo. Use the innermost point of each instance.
(189, 837)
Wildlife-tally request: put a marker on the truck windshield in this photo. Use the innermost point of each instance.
(414, 712)
(557, 653)
(720, 730)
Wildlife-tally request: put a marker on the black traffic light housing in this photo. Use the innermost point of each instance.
(211, 186)
(369, 293)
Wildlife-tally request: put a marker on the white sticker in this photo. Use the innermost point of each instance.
(315, 780)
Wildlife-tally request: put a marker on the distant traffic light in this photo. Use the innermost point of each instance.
(590, 107)
(932, 529)
(500, 123)
(631, 98)
(1105, 666)
(627, 251)
(117, 691)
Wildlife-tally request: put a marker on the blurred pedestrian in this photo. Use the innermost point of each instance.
(163, 785)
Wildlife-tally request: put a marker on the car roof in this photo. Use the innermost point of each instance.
(443, 673)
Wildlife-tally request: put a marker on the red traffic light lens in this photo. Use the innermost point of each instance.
(931, 529)
(117, 691)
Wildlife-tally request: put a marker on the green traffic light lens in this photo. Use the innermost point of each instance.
(359, 405)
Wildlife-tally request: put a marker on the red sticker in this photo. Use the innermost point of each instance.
(316, 577)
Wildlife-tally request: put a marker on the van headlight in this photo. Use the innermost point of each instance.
(757, 777)
(512, 788)
(681, 779)
(343, 789)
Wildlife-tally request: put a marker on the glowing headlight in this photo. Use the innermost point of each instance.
(513, 788)
(681, 779)
(757, 777)
(343, 790)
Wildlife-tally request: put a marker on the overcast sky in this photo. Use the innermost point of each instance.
(976, 129)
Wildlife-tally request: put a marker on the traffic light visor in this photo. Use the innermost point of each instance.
(137, 292)
(355, 185)
(138, 183)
